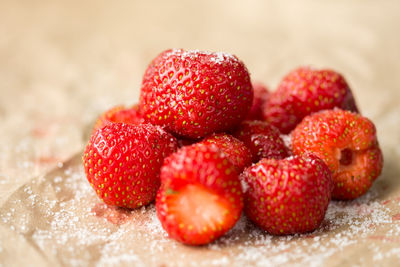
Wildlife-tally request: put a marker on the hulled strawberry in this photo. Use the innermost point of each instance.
(122, 162)
(235, 149)
(305, 91)
(261, 95)
(121, 113)
(288, 196)
(200, 197)
(194, 93)
(262, 139)
(348, 144)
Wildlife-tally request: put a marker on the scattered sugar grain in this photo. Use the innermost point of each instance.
(244, 244)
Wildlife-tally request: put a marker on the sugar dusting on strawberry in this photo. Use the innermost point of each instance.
(215, 57)
(194, 94)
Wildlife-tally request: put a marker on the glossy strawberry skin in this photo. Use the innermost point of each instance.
(288, 196)
(122, 162)
(194, 94)
(303, 92)
(207, 167)
(262, 139)
(121, 114)
(348, 144)
(261, 95)
(235, 149)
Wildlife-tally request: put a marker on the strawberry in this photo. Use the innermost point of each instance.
(122, 162)
(235, 149)
(348, 144)
(200, 197)
(119, 114)
(261, 95)
(288, 196)
(305, 91)
(262, 139)
(194, 93)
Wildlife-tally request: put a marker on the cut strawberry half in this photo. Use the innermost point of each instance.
(199, 208)
(200, 198)
(201, 213)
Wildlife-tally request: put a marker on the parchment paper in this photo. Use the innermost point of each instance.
(61, 63)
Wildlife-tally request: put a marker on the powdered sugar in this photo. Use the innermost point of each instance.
(287, 140)
(65, 228)
(215, 57)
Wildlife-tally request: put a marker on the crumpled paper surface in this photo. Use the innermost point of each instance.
(61, 63)
(57, 220)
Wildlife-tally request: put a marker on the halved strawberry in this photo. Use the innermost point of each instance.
(200, 198)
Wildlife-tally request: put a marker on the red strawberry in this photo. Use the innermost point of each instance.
(122, 162)
(261, 95)
(235, 149)
(119, 114)
(305, 91)
(347, 143)
(200, 197)
(288, 196)
(262, 139)
(194, 94)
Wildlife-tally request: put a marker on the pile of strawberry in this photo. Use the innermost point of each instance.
(205, 143)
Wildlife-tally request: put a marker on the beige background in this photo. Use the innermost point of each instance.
(63, 62)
